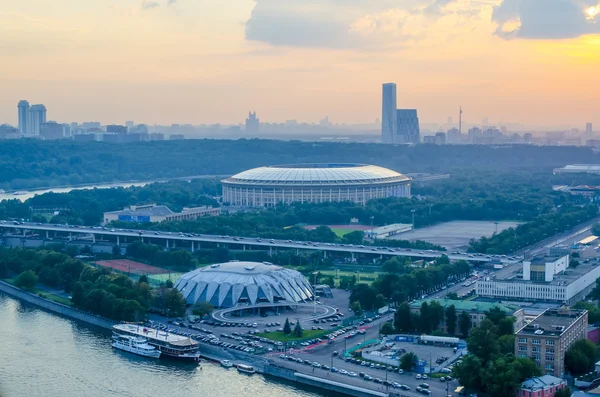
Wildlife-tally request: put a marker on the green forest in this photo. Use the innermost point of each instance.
(28, 164)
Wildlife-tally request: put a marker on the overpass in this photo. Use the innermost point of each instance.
(171, 239)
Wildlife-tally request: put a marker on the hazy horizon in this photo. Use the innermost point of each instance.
(533, 62)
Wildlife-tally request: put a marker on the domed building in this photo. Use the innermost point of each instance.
(227, 284)
(313, 183)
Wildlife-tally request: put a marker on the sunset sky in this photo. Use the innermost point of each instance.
(208, 61)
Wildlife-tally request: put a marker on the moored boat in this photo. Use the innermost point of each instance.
(245, 369)
(136, 345)
(226, 363)
(169, 344)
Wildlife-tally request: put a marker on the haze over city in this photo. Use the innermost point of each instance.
(533, 62)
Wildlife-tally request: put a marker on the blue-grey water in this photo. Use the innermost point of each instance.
(43, 355)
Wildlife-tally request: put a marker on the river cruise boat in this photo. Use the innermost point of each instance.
(226, 363)
(245, 369)
(136, 345)
(170, 345)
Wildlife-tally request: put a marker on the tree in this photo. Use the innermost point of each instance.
(202, 309)
(573, 263)
(143, 279)
(27, 279)
(506, 344)
(495, 314)
(564, 392)
(116, 251)
(298, 330)
(403, 319)
(392, 266)
(387, 328)
(356, 308)
(425, 325)
(580, 357)
(464, 324)
(287, 328)
(593, 311)
(408, 361)
(169, 283)
(451, 319)
(596, 229)
(506, 326)
(174, 303)
(436, 314)
(483, 341)
(452, 296)
(78, 295)
(469, 372)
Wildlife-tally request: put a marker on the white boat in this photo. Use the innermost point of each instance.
(226, 363)
(170, 345)
(135, 345)
(246, 369)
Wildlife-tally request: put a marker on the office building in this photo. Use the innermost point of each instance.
(9, 132)
(475, 310)
(567, 287)
(544, 268)
(475, 135)
(156, 136)
(252, 123)
(176, 137)
(547, 338)
(429, 139)
(440, 138)
(51, 131)
(158, 213)
(543, 386)
(116, 129)
(388, 113)
(527, 137)
(129, 124)
(588, 129)
(453, 135)
(37, 117)
(407, 126)
(23, 109)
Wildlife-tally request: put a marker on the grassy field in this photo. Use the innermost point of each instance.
(306, 334)
(341, 232)
(47, 295)
(366, 278)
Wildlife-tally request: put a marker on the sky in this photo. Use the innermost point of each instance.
(211, 61)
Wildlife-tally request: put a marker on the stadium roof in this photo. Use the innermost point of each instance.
(318, 174)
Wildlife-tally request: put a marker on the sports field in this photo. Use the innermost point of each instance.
(127, 266)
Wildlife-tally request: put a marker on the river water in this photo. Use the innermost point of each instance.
(43, 355)
(24, 195)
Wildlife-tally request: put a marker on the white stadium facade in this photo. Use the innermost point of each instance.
(225, 285)
(313, 183)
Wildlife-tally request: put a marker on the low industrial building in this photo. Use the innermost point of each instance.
(547, 338)
(579, 168)
(158, 213)
(388, 230)
(542, 386)
(475, 310)
(544, 280)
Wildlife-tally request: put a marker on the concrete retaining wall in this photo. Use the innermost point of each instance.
(55, 307)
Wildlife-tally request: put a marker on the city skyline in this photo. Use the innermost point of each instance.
(215, 60)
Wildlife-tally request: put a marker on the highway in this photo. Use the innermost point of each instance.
(242, 242)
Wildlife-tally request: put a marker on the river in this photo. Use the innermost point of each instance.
(24, 195)
(43, 355)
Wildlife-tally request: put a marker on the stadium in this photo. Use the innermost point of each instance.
(313, 183)
(226, 285)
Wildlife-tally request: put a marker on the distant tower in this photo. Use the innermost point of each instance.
(23, 108)
(37, 117)
(588, 129)
(460, 119)
(388, 113)
(252, 123)
(407, 126)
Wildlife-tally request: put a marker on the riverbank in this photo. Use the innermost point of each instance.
(208, 352)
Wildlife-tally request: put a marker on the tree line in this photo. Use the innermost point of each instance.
(97, 290)
(29, 163)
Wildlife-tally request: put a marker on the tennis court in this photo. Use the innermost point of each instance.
(127, 266)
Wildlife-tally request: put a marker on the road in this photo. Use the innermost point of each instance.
(241, 242)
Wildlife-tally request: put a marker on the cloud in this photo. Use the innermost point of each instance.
(171, 2)
(149, 4)
(546, 19)
(364, 24)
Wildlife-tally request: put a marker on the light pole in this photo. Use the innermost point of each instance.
(413, 220)
(314, 293)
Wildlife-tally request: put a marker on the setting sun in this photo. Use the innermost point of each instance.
(592, 12)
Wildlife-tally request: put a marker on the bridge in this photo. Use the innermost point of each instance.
(172, 239)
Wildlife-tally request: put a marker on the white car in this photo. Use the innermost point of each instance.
(418, 376)
(424, 376)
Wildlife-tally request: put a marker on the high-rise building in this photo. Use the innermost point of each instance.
(116, 129)
(588, 129)
(252, 123)
(51, 131)
(23, 108)
(389, 125)
(440, 138)
(129, 124)
(407, 127)
(453, 135)
(37, 117)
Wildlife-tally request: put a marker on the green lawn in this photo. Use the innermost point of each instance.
(306, 334)
(341, 232)
(366, 278)
(47, 295)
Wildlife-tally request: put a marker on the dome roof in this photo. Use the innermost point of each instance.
(227, 284)
(317, 174)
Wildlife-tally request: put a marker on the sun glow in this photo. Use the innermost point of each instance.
(590, 13)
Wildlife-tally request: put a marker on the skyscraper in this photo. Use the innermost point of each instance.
(23, 108)
(252, 123)
(388, 113)
(588, 129)
(407, 127)
(37, 117)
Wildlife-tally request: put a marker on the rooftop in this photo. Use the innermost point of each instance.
(241, 267)
(552, 322)
(541, 382)
(564, 278)
(147, 210)
(467, 305)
